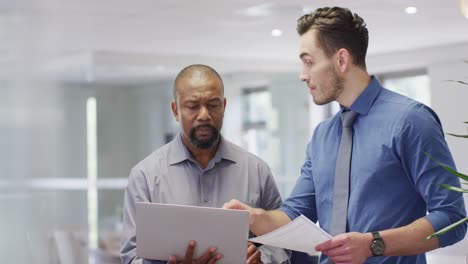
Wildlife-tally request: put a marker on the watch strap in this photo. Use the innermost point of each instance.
(376, 235)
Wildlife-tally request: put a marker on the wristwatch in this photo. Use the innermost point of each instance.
(377, 246)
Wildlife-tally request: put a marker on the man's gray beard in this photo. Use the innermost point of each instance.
(205, 144)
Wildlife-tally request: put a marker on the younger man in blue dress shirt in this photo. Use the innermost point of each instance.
(392, 184)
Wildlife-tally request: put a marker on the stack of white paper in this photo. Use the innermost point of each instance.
(300, 235)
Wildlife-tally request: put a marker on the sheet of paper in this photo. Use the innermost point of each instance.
(300, 235)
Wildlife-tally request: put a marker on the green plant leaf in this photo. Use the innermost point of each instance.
(448, 228)
(448, 168)
(453, 188)
(455, 135)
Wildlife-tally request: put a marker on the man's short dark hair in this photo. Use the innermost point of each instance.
(338, 28)
(194, 68)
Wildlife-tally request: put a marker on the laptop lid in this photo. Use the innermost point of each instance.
(165, 229)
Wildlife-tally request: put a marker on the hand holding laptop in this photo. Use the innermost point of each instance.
(209, 257)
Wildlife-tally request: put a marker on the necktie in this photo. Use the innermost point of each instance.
(343, 168)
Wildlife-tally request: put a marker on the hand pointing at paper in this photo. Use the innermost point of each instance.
(261, 221)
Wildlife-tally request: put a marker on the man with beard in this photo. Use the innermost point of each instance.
(368, 183)
(200, 168)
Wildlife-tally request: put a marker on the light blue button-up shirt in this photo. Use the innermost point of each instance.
(392, 183)
(171, 175)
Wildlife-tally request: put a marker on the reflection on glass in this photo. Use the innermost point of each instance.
(257, 106)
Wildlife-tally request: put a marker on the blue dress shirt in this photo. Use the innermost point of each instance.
(392, 183)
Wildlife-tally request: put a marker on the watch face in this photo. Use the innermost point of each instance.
(378, 247)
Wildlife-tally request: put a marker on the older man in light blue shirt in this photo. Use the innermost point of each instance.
(200, 167)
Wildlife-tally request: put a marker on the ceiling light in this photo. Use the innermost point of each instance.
(261, 10)
(306, 10)
(464, 8)
(276, 32)
(411, 10)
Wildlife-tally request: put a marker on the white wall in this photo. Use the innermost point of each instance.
(41, 137)
(291, 102)
(449, 101)
(132, 122)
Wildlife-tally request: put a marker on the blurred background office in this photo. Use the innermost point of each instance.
(85, 91)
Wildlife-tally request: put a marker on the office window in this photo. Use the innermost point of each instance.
(414, 84)
(256, 104)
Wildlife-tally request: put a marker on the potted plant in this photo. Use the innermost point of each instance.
(463, 178)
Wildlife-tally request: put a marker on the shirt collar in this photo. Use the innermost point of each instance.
(366, 99)
(226, 150)
(179, 151)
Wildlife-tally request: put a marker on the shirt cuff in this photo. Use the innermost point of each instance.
(440, 220)
(291, 212)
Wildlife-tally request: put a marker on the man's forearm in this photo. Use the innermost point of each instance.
(409, 239)
(403, 241)
(266, 221)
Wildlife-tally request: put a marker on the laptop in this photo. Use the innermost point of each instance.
(166, 229)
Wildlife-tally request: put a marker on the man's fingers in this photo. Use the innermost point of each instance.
(189, 252)
(338, 251)
(327, 245)
(228, 205)
(208, 255)
(172, 260)
(251, 249)
(215, 258)
(254, 258)
(236, 205)
(233, 204)
(253, 254)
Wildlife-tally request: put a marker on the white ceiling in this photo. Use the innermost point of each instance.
(162, 35)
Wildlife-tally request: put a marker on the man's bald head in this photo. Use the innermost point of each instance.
(195, 72)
